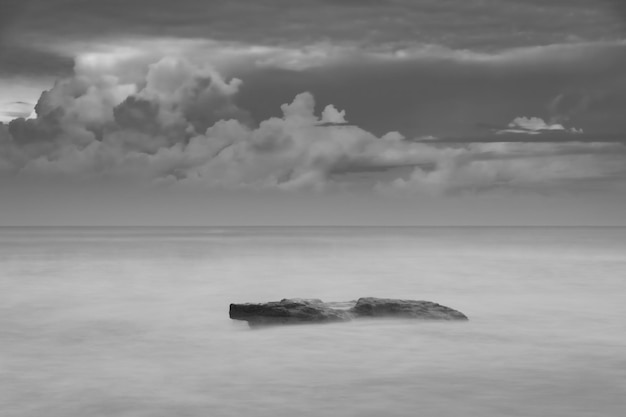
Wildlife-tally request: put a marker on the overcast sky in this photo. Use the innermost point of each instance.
(426, 112)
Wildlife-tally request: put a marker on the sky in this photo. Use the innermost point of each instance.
(312, 112)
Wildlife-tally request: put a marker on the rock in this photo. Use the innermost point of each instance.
(299, 310)
(287, 311)
(384, 307)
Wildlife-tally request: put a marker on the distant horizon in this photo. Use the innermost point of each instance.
(362, 226)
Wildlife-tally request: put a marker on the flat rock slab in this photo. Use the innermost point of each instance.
(301, 310)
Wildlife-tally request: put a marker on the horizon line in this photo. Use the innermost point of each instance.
(307, 226)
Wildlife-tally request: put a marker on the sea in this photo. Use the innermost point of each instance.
(133, 322)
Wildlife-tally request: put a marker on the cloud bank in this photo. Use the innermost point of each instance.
(176, 123)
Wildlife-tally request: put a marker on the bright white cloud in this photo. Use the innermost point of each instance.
(535, 126)
(332, 115)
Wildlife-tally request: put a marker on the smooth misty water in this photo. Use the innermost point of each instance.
(134, 322)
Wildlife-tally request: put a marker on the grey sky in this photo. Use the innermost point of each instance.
(449, 104)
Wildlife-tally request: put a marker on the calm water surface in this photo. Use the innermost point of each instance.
(134, 322)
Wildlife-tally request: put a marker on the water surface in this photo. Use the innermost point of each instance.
(134, 322)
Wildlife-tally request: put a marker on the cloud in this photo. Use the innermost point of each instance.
(418, 89)
(536, 126)
(19, 59)
(458, 24)
(441, 91)
(332, 115)
(519, 167)
(181, 124)
(416, 67)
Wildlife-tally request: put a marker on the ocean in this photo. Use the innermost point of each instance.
(134, 322)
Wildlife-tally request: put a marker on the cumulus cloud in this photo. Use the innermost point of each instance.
(332, 115)
(179, 124)
(418, 89)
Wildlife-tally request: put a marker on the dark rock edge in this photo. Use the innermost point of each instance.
(302, 311)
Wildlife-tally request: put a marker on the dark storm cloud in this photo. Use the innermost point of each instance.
(619, 7)
(444, 92)
(223, 94)
(44, 36)
(26, 61)
(42, 129)
(19, 58)
(9, 13)
(454, 23)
